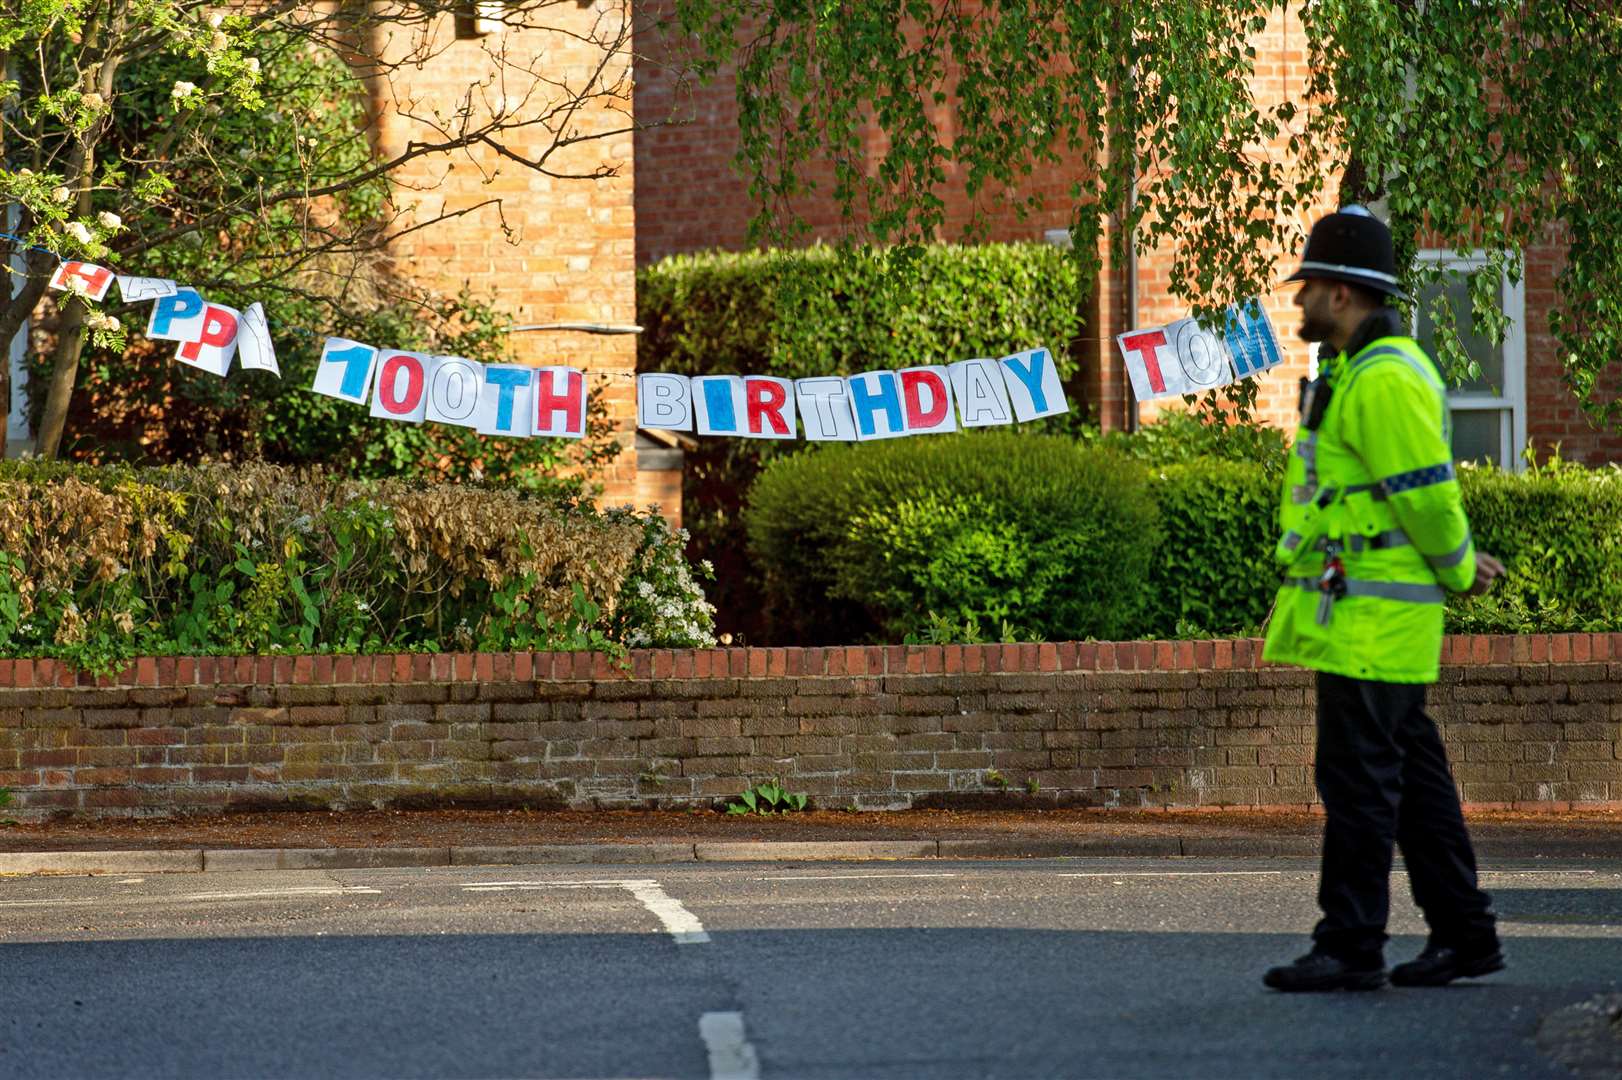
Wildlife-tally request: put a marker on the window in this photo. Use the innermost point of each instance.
(479, 18)
(1489, 412)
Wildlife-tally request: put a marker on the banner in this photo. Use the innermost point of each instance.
(1186, 358)
(518, 401)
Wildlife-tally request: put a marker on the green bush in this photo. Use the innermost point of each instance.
(888, 538)
(825, 312)
(1178, 438)
(1211, 573)
(1557, 527)
(822, 311)
(99, 564)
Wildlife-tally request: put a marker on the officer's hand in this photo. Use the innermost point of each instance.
(1488, 570)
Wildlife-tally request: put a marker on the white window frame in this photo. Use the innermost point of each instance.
(1511, 398)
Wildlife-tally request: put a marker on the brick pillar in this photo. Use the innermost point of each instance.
(556, 249)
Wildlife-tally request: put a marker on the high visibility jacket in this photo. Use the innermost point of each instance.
(1374, 486)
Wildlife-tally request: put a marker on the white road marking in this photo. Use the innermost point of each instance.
(296, 891)
(845, 877)
(131, 881)
(42, 903)
(731, 1055)
(680, 923)
(1183, 873)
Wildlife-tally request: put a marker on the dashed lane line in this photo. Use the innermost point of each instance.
(846, 877)
(732, 1056)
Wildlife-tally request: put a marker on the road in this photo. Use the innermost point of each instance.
(1054, 968)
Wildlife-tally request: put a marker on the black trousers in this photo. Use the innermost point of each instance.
(1382, 774)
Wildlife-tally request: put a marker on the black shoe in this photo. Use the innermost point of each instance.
(1321, 971)
(1439, 965)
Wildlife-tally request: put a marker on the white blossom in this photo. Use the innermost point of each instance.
(62, 194)
(78, 231)
(215, 18)
(94, 101)
(110, 220)
(183, 89)
(219, 41)
(252, 64)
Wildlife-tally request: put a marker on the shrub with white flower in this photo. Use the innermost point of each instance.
(661, 604)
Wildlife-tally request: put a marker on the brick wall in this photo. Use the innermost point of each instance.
(1534, 720)
(560, 246)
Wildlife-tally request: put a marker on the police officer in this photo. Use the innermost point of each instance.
(1374, 531)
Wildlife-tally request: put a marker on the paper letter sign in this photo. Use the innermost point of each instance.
(215, 343)
(145, 288)
(1033, 385)
(345, 370)
(1200, 354)
(664, 401)
(560, 402)
(876, 398)
(768, 405)
(1186, 358)
(401, 392)
(982, 396)
(825, 409)
(254, 347)
(718, 404)
(177, 318)
(88, 278)
(504, 403)
(926, 400)
(1250, 339)
(453, 391)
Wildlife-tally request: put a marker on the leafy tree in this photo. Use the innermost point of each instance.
(242, 149)
(1486, 123)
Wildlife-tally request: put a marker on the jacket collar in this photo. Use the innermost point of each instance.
(1381, 322)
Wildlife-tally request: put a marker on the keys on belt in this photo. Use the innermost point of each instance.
(1332, 582)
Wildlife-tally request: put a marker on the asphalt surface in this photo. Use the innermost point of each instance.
(1063, 968)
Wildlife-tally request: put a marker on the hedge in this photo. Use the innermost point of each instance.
(993, 529)
(99, 564)
(821, 311)
(963, 538)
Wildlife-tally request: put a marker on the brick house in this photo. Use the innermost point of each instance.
(687, 198)
(578, 244)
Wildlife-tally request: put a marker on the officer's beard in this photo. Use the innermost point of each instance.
(1315, 327)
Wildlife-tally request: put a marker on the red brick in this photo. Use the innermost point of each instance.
(343, 670)
(812, 661)
(166, 671)
(793, 661)
(1009, 658)
(402, 667)
(952, 659)
(265, 671)
(1105, 656)
(186, 671)
(1029, 656)
(283, 670)
(1560, 648)
(684, 662)
(146, 671)
(462, 670)
(242, 669)
(642, 664)
(895, 659)
(545, 665)
(698, 664)
(934, 659)
(915, 660)
(7, 672)
(1204, 654)
(1086, 656)
(1165, 657)
(604, 667)
(523, 667)
(1540, 648)
(303, 670)
(836, 661)
(1580, 651)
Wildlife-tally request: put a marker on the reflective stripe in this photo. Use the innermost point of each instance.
(1359, 363)
(1292, 540)
(1418, 478)
(1384, 590)
(1307, 448)
(1303, 493)
(1452, 558)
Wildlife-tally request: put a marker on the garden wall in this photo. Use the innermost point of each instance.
(1535, 719)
